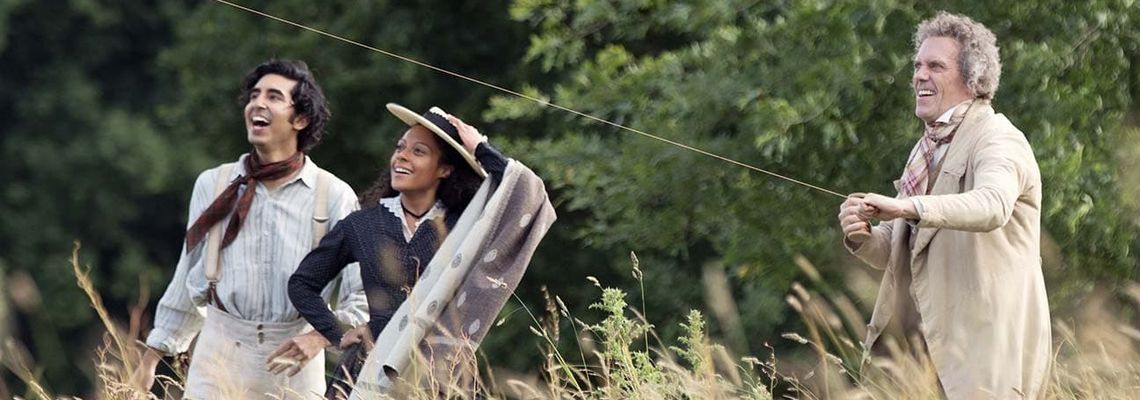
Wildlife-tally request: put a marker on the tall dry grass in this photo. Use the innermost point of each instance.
(620, 356)
(1095, 353)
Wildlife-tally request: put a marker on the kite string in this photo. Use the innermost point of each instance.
(531, 98)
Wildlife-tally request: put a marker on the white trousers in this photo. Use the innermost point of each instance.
(229, 361)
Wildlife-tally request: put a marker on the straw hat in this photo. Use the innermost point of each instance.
(436, 121)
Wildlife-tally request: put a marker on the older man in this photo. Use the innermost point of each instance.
(960, 242)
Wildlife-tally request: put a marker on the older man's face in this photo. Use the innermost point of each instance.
(938, 83)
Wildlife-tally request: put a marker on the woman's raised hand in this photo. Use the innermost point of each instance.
(467, 133)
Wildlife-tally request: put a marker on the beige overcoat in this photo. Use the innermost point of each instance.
(975, 265)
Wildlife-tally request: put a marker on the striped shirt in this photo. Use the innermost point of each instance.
(255, 268)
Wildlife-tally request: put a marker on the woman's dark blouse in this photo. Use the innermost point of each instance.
(389, 264)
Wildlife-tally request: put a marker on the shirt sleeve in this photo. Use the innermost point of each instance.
(1004, 168)
(492, 160)
(917, 210)
(317, 269)
(177, 318)
(351, 303)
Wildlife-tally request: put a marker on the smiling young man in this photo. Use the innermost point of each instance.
(960, 244)
(250, 224)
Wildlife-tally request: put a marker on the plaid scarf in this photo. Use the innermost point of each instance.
(916, 176)
(225, 203)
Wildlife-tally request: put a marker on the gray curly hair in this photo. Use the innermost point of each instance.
(978, 58)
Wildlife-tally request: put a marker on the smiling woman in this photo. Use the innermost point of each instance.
(426, 169)
(437, 166)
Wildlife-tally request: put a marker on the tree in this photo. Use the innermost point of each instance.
(80, 159)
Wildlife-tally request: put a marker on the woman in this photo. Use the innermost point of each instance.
(404, 218)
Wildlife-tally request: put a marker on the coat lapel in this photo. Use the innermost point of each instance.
(954, 164)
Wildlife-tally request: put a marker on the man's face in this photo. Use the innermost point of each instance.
(269, 121)
(938, 83)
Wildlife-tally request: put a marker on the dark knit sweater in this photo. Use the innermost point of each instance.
(389, 265)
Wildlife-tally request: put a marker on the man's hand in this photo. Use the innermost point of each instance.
(887, 208)
(361, 334)
(143, 375)
(856, 226)
(292, 355)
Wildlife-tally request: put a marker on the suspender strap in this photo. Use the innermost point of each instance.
(321, 224)
(214, 242)
(321, 207)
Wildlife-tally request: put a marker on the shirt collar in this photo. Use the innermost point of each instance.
(945, 118)
(308, 174)
(392, 204)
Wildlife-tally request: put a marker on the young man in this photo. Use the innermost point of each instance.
(250, 224)
(961, 242)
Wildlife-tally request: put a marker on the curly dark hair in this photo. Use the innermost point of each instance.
(308, 98)
(455, 191)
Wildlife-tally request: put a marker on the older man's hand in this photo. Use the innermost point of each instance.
(856, 227)
(887, 208)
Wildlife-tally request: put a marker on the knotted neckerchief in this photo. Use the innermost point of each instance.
(225, 203)
(916, 176)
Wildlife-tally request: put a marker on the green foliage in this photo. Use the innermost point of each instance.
(623, 369)
(1068, 87)
(80, 158)
(693, 340)
(629, 368)
(358, 82)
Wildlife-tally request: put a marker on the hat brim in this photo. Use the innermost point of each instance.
(411, 118)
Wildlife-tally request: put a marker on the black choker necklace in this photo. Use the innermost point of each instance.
(409, 212)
